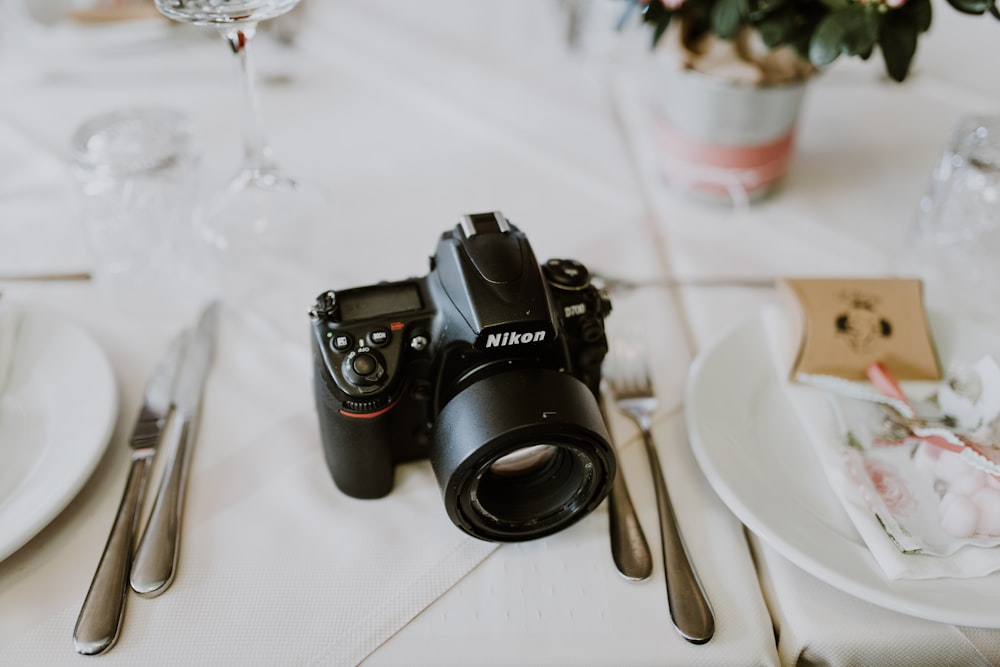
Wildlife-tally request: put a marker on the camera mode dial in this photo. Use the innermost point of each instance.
(326, 306)
(364, 368)
(567, 274)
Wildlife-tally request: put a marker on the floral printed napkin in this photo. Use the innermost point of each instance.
(928, 499)
(925, 509)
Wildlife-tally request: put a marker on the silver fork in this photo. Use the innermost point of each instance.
(632, 389)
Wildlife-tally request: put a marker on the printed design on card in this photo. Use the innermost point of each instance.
(860, 325)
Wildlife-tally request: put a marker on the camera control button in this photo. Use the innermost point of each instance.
(341, 342)
(419, 342)
(378, 337)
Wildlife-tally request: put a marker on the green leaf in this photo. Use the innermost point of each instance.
(728, 16)
(827, 42)
(659, 17)
(763, 7)
(777, 29)
(660, 29)
(972, 6)
(898, 42)
(861, 28)
(921, 12)
(697, 19)
(805, 19)
(852, 30)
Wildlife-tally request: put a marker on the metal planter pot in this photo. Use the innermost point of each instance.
(721, 140)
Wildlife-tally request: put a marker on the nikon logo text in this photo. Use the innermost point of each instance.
(513, 338)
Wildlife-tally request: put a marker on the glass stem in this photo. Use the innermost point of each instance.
(257, 156)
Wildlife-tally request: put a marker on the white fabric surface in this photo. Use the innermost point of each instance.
(267, 538)
(817, 624)
(408, 116)
(37, 233)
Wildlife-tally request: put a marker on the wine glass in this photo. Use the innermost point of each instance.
(261, 222)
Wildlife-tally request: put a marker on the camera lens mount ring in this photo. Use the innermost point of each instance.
(546, 497)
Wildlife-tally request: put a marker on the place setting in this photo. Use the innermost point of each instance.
(815, 445)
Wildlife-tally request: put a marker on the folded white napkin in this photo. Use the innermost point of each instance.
(9, 319)
(872, 489)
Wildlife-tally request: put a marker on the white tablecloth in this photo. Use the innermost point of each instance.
(409, 116)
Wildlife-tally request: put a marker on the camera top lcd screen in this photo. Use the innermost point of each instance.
(378, 300)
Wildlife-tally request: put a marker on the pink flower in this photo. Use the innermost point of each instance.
(889, 486)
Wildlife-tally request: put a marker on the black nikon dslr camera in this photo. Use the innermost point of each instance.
(489, 366)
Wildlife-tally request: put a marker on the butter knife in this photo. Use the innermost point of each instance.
(100, 617)
(156, 558)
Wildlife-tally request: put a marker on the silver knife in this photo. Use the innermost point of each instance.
(101, 615)
(156, 558)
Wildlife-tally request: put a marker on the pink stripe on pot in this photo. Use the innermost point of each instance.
(738, 172)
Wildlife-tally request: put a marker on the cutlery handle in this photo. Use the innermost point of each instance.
(689, 607)
(156, 558)
(100, 617)
(629, 547)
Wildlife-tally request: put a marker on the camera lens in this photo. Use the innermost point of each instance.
(521, 454)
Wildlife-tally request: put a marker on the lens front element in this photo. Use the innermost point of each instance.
(522, 461)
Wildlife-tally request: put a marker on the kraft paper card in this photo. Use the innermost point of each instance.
(845, 324)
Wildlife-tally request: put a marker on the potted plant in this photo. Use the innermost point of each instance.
(756, 56)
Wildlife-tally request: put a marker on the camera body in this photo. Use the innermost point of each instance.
(489, 366)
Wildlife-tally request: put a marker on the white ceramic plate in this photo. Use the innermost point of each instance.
(757, 458)
(56, 417)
